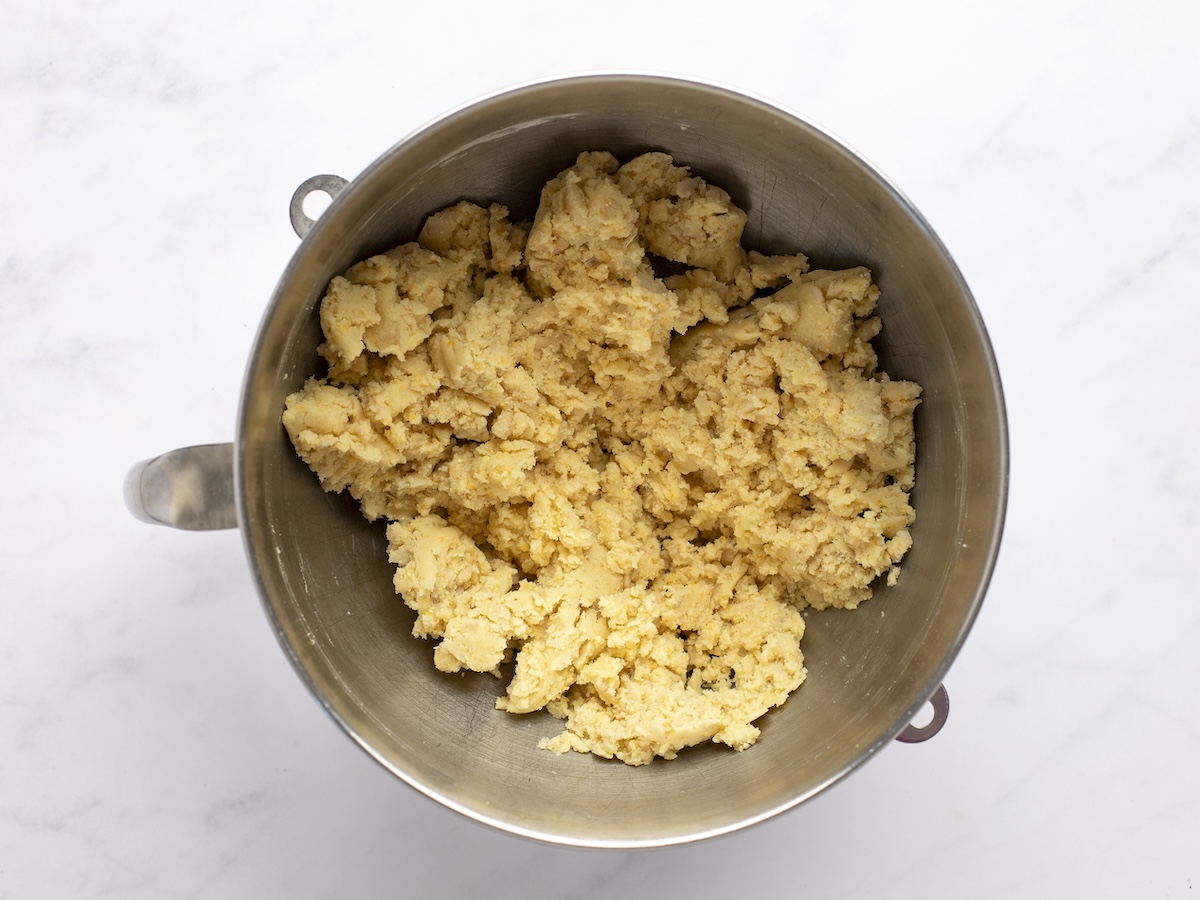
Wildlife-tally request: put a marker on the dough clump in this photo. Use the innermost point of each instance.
(630, 483)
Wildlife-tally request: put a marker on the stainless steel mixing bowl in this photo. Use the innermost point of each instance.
(322, 570)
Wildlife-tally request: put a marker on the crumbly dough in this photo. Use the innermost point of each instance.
(631, 484)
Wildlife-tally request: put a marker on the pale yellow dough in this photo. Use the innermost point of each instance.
(630, 484)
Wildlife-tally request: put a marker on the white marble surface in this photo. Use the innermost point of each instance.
(154, 742)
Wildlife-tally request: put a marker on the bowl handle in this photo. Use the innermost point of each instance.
(302, 222)
(940, 701)
(189, 488)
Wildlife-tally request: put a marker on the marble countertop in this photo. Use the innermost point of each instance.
(154, 741)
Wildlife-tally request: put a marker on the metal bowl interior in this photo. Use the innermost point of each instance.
(323, 572)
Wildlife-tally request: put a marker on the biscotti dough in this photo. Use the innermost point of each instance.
(631, 484)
